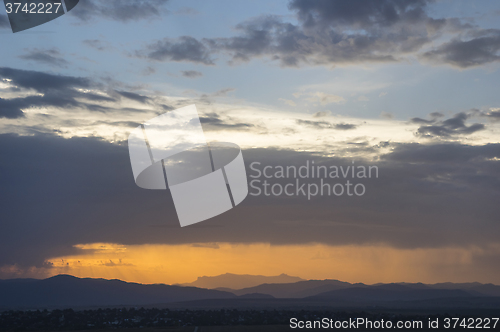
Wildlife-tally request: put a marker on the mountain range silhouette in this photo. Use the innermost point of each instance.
(64, 291)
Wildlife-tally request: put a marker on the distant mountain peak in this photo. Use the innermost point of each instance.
(239, 281)
(63, 276)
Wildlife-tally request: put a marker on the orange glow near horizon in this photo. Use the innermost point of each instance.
(172, 264)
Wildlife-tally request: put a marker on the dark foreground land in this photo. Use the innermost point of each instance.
(155, 320)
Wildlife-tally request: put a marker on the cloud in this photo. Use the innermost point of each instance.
(134, 96)
(212, 121)
(321, 114)
(345, 126)
(387, 115)
(335, 32)
(96, 44)
(468, 53)
(493, 114)
(50, 57)
(111, 263)
(11, 109)
(53, 90)
(421, 121)
(380, 31)
(423, 191)
(191, 73)
(288, 102)
(450, 127)
(452, 154)
(119, 10)
(447, 186)
(326, 125)
(325, 98)
(374, 13)
(435, 115)
(187, 11)
(43, 82)
(148, 71)
(206, 245)
(222, 92)
(129, 124)
(184, 48)
(41, 90)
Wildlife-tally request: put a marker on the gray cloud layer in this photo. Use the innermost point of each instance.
(333, 32)
(326, 125)
(59, 192)
(119, 10)
(50, 57)
(482, 49)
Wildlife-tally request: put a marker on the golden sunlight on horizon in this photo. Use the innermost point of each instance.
(172, 264)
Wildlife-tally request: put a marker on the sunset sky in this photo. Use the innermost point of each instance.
(408, 86)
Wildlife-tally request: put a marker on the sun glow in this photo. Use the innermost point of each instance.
(184, 263)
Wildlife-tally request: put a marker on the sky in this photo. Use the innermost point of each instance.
(408, 87)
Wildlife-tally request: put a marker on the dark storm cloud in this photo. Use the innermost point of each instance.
(212, 121)
(191, 73)
(56, 178)
(59, 192)
(442, 153)
(450, 127)
(468, 53)
(119, 10)
(183, 48)
(50, 57)
(326, 125)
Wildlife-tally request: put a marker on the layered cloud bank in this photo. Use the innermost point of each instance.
(402, 86)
